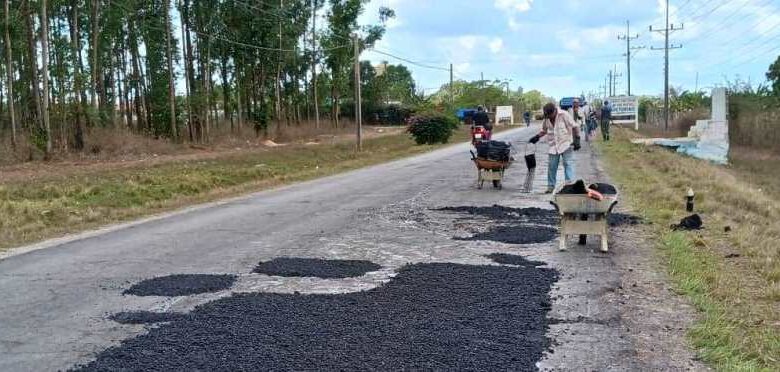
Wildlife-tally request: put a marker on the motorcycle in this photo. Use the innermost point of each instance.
(479, 134)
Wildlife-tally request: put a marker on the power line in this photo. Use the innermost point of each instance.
(409, 61)
(666, 30)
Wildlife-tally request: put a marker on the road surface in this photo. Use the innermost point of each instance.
(56, 301)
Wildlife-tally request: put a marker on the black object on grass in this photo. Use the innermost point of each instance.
(181, 285)
(429, 317)
(145, 317)
(692, 222)
(313, 267)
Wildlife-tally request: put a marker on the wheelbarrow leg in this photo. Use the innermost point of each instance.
(583, 238)
(604, 243)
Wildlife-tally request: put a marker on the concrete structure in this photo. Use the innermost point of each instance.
(709, 138)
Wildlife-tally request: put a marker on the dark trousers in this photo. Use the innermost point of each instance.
(605, 129)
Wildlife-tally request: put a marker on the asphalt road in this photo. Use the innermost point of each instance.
(56, 301)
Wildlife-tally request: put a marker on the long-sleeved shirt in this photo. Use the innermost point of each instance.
(560, 134)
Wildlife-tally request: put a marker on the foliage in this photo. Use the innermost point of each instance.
(431, 128)
(774, 76)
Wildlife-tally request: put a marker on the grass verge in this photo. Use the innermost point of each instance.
(732, 277)
(45, 207)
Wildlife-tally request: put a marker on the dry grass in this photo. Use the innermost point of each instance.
(732, 277)
(42, 204)
(121, 144)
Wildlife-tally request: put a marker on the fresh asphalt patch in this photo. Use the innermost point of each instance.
(515, 234)
(313, 267)
(434, 316)
(513, 259)
(501, 213)
(181, 285)
(145, 317)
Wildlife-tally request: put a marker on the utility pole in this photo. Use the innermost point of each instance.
(610, 83)
(452, 88)
(358, 97)
(627, 37)
(666, 30)
(615, 75)
(697, 82)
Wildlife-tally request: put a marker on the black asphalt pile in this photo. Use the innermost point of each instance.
(313, 267)
(579, 188)
(621, 219)
(516, 234)
(513, 259)
(429, 317)
(145, 317)
(181, 285)
(501, 213)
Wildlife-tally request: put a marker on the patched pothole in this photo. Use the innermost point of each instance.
(513, 259)
(145, 317)
(515, 234)
(182, 285)
(315, 267)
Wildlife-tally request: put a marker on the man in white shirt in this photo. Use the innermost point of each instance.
(563, 136)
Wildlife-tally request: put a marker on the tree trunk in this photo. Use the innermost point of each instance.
(45, 76)
(226, 89)
(314, 64)
(10, 73)
(171, 78)
(139, 101)
(95, 38)
(78, 90)
(187, 62)
(207, 87)
(32, 52)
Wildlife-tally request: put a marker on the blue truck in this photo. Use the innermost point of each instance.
(567, 102)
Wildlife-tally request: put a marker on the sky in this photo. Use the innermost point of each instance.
(567, 47)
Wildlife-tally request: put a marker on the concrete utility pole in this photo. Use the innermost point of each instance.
(627, 37)
(666, 30)
(358, 96)
(615, 75)
(452, 88)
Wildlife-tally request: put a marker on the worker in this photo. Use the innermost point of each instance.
(527, 118)
(563, 136)
(577, 113)
(482, 119)
(606, 117)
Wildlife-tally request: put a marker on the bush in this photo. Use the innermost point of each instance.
(432, 128)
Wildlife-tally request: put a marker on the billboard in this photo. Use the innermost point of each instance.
(625, 110)
(505, 114)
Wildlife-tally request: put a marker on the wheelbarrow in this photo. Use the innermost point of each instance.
(490, 170)
(583, 216)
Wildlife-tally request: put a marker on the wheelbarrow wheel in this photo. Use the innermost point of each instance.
(497, 184)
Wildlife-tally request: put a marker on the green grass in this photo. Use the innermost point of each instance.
(738, 298)
(52, 206)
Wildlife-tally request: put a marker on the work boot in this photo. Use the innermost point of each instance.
(549, 190)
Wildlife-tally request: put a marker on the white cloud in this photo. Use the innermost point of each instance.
(496, 45)
(514, 5)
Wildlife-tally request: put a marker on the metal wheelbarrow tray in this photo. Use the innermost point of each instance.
(490, 170)
(581, 215)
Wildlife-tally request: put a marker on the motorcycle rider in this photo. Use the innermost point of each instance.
(482, 119)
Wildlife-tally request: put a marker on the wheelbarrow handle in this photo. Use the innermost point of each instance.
(473, 156)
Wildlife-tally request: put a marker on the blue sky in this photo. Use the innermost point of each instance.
(567, 47)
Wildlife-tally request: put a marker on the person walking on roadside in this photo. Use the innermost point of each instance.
(563, 136)
(606, 117)
(527, 118)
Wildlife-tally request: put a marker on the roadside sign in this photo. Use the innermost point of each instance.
(505, 113)
(625, 110)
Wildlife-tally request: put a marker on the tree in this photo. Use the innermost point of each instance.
(9, 68)
(774, 76)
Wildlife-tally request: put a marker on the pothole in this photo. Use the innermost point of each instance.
(513, 259)
(145, 317)
(515, 234)
(430, 316)
(315, 267)
(181, 285)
